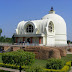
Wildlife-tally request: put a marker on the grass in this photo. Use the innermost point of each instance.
(0, 58)
(42, 63)
(67, 58)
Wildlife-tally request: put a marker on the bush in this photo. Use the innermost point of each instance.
(18, 57)
(68, 63)
(52, 70)
(35, 69)
(55, 64)
(13, 66)
(65, 68)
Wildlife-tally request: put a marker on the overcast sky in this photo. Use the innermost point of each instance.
(14, 11)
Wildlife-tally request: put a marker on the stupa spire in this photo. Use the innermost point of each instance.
(52, 11)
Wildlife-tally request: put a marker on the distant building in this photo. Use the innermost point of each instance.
(50, 30)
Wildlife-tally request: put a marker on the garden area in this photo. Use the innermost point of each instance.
(28, 62)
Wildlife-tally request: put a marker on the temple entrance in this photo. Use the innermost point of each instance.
(28, 40)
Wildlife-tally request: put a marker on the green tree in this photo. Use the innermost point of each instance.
(68, 41)
(2, 39)
(0, 31)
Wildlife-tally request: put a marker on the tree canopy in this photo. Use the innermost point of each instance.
(5, 39)
(0, 31)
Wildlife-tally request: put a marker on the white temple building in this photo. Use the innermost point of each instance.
(50, 30)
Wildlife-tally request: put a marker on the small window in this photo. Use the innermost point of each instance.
(51, 27)
(29, 28)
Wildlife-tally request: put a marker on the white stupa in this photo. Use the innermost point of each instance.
(50, 30)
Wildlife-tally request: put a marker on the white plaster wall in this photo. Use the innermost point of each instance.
(44, 41)
(50, 41)
(40, 25)
(20, 26)
(60, 37)
(60, 25)
(60, 42)
(60, 28)
(41, 40)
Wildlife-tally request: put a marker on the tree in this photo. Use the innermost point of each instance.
(68, 41)
(0, 31)
(71, 42)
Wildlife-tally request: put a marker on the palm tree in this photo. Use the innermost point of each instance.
(0, 31)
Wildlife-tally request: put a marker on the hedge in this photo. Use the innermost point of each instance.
(13, 66)
(18, 57)
(55, 64)
(66, 68)
(68, 63)
(35, 69)
(28, 69)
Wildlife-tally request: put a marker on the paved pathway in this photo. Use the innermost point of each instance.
(69, 52)
(11, 70)
(70, 70)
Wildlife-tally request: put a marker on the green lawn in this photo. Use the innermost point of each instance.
(67, 58)
(42, 63)
(0, 58)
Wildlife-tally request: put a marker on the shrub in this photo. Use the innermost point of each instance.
(68, 63)
(30, 70)
(18, 57)
(35, 69)
(13, 66)
(52, 70)
(65, 68)
(55, 64)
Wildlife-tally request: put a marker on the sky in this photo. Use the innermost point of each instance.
(14, 11)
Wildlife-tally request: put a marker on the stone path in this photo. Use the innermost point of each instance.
(69, 52)
(70, 70)
(11, 70)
